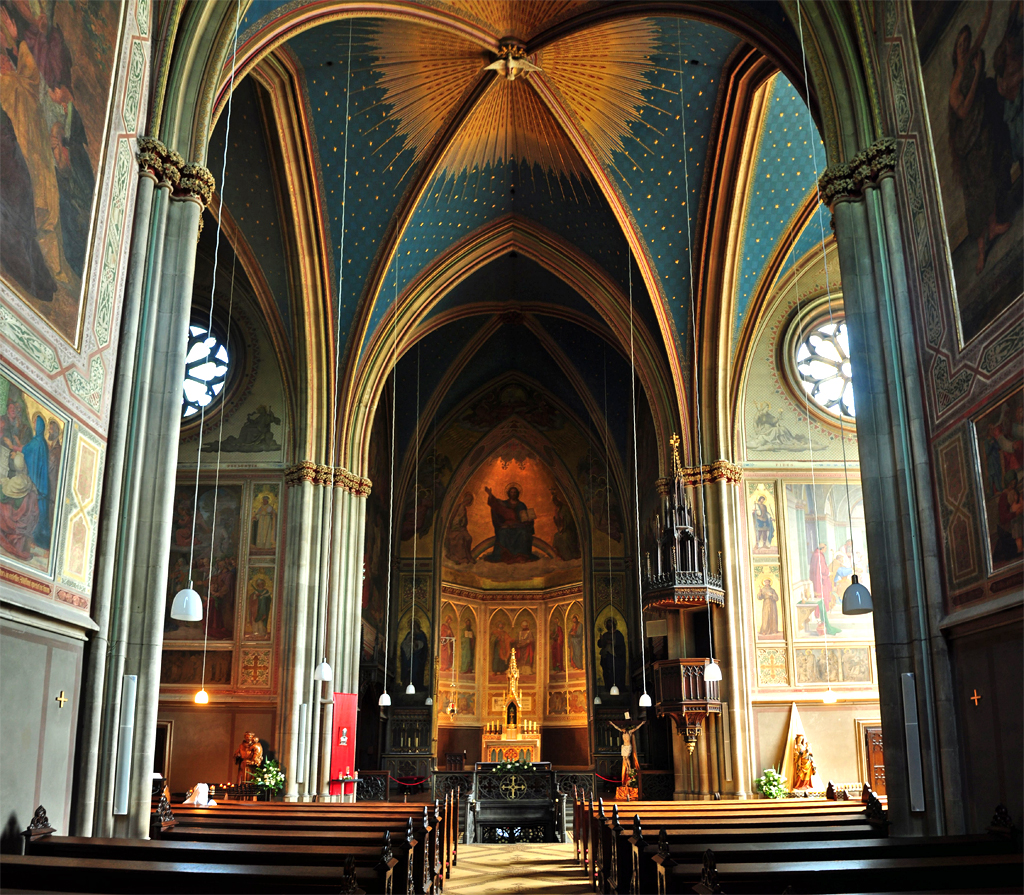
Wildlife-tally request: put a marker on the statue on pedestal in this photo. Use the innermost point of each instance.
(248, 756)
(803, 763)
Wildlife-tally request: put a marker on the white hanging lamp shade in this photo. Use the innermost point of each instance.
(410, 690)
(385, 700)
(430, 700)
(187, 605)
(645, 701)
(614, 691)
(202, 698)
(597, 700)
(856, 599)
(712, 671)
(323, 672)
(829, 698)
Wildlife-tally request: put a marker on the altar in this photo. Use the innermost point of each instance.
(514, 738)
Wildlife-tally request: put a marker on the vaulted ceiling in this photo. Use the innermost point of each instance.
(511, 223)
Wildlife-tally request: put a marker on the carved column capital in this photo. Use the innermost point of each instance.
(711, 472)
(301, 472)
(354, 484)
(849, 179)
(151, 156)
(196, 183)
(663, 486)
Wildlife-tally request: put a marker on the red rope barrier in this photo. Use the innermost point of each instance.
(418, 781)
(610, 780)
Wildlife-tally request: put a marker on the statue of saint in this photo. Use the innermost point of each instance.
(248, 756)
(803, 763)
(626, 749)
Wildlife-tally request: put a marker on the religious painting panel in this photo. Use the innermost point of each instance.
(254, 669)
(837, 664)
(467, 644)
(608, 588)
(205, 536)
(578, 702)
(83, 507)
(32, 460)
(259, 603)
(999, 437)
(768, 608)
(576, 640)
(263, 525)
(825, 547)
(603, 504)
(524, 641)
(772, 667)
(611, 640)
(971, 60)
(55, 80)
(447, 640)
(512, 526)
(375, 561)
(425, 496)
(186, 667)
(414, 656)
(558, 702)
(500, 635)
(762, 519)
(558, 665)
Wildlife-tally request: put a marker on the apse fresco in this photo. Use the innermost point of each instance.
(56, 64)
(971, 59)
(32, 438)
(822, 553)
(205, 536)
(512, 526)
(1000, 439)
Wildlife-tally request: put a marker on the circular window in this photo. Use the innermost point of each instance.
(823, 367)
(206, 369)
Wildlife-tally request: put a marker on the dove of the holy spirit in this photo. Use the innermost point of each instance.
(511, 68)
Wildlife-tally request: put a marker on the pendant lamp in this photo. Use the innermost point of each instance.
(202, 698)
(614, 691)
(385, 700)
(410, 690)
(829, 698)
(597, 700)
(645, 701)
(857, 599)
(323, 672)
(712, 671)
(187, 605)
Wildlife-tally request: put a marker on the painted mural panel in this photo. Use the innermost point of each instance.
(205, 540)
(56, 65)
(512, 526)
(446, 639)
(259, 603)
(524, 642)
(999, 434)
(375, 546)
(263, 525)
(575, 636)
(840, 664)
(414, 653)
(500, 636)
(823, 551)
(185, 667)
(32, 457)
(557, 662)
(610, 644)
(764, 525)
(772, 668)
(971, 60)
(467, 644)
(768, 609)
(603, 504)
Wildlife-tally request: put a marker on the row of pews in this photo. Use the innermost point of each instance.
(252, 847)
(781, 846)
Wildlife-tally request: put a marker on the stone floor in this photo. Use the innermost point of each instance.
(529, 868)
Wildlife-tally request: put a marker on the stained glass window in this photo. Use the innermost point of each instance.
(206, 369)
(823, 368)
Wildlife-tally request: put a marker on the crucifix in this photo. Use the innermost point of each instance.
(61, 699)
(975, 698)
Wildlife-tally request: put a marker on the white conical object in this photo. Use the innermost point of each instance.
(410, 690)
(430, 700)
(856, 599)
(829, 698)
(712, 671)
(645, 701)
(384, 700)
(323, 672)
(597, 700)
(187, 605)
(202, 698)
(614, 691)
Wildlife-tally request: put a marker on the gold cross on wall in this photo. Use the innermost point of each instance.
(975, 698)
(61, 699)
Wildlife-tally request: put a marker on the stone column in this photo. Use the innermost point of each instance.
(135, 564)
(895, 475)
(88, 762)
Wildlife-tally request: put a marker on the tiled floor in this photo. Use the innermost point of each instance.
(530, 868)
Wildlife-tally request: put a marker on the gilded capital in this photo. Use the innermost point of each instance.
(196, 183)
(849, 179)
(354, 484)
(151, 156)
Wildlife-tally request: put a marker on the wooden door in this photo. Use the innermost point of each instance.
(876, 759)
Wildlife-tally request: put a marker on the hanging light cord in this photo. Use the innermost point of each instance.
(213, 288)
(391, 480)
(415, 514)
(828, 286)
(608, 503)
(636, 479)
(696, 359)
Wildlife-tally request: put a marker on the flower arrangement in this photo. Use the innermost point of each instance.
(268, 776)
(771, 784)
(507, 767)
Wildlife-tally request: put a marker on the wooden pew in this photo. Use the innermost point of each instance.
(842, 873)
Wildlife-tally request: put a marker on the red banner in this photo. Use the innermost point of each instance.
(343, 744)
